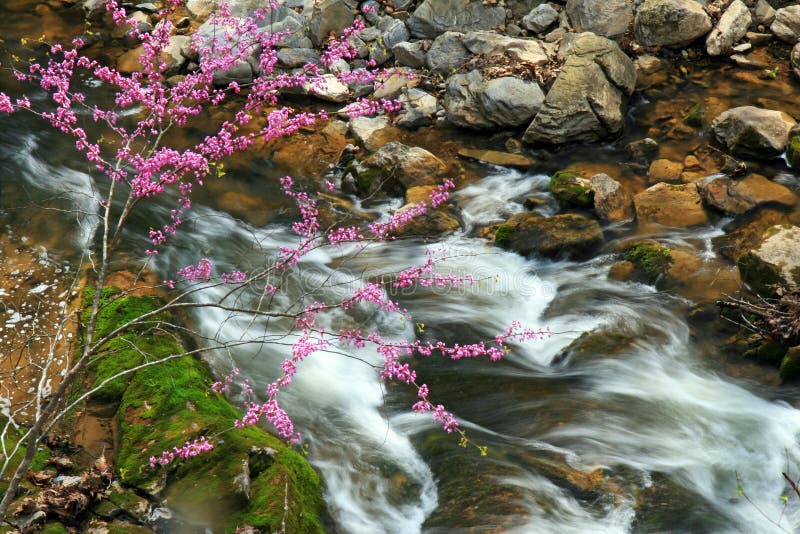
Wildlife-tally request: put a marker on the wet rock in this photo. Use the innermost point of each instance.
(650, 260)
(611, 201)
(433, 222)
(434, 17)
(642, 150)
(330, 16)
(571, 189)
(746, 231)
(396, 167)
(776, 261)
(371, 132)
(495, 157)
(786, 25)
(664, 170)
(588, 99)
(609, 18)
(670, 205)
(596, 343)
(410, 54)
(673, 23)
(447, 53)
(740, 196)
(173, 55)
(540, 18)
(793, 146)
(790, 365)
(472, 102)
(753, 132)
(561, 235)
(731, 28)
(492, 45)
(419, 109)
(794, 60)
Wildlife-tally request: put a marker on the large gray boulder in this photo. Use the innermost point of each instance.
(419, 108)
(776, 261)
(753, 132)
(492, 45)
(330, 16)
(670, 22)
(447, 53)
(410, 54)
(786, 25)
(609, 18)
(506, 102)
(731, 28)
(434, 17)
(587, 101)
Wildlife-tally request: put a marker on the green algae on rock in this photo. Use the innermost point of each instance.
(572, 189)
(167, 404)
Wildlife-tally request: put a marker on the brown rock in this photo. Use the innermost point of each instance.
(664, 170)
(611, 201)
(670, 205)
(739, 196)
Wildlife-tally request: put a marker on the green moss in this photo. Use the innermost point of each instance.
(758, 275)
(790, 365)
(54, 528)
(695, 116)
(116, 310)
(503, 234)
(567, 189)
(651, 260)
(793, 152)
(768, 352)
(168, 404)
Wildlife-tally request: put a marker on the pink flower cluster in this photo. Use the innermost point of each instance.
(189, 450)
(197, 273)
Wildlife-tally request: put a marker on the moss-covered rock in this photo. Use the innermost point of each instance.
(769, 352)
(53, 528)
(775, 262)
(165, 405)
(793, 149)
(790, 365)
(571, 189)
(651, 260)
(561, 235)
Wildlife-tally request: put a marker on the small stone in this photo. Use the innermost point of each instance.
(664, 170)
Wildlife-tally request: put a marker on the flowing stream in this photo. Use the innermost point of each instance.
(646, 430)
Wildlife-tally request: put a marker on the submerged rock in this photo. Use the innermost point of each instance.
(753, 132)
(588, 99)
(561, 235)
(672, 23)
(776, 261)
(670, 205)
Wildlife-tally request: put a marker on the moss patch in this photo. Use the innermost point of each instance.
(695, 116)
(168, 404)
(793, 152)
(760, 276)
(768, 352)
(503, 234)
(569, 189)
(790, 366)
(651, 260)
